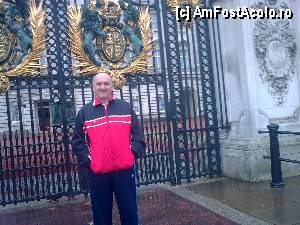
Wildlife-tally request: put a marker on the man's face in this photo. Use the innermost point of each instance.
(102, 86)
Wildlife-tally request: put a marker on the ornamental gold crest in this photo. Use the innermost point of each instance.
(22, 40)
(112, 36)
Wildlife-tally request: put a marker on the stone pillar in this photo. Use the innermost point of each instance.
(262, 87)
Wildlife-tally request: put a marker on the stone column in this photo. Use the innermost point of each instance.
(262, 85)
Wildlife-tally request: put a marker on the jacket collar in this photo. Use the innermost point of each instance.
(97, 101)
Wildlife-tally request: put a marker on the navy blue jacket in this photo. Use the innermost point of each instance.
(107, 137)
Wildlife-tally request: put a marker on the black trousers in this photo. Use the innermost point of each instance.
(122, 185)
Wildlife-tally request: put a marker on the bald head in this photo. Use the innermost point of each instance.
(102, 75)
(102, 85)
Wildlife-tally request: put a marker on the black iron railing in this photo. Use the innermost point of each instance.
(180, 102)
(276, 160)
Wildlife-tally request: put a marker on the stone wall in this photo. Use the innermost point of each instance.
(261, 67)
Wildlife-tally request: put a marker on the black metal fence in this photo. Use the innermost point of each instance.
(276, 160)
(180, 103)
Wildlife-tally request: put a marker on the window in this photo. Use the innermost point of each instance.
(154, 22)
(184, 59)
(157, 62)
(136, 105)
(184, 55)
(14, 113)
(161, 103)
(44, 115)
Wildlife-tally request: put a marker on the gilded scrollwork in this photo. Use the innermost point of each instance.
(22, 41)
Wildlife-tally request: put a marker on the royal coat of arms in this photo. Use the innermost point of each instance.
(22, 41)
(110, 36)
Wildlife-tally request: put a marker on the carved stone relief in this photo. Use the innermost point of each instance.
(275, 48)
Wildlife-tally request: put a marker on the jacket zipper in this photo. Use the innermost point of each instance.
(107, 125)
(106, 113)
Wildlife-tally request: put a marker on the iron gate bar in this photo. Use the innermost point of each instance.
(3, 198)
(222, 98)
(35, 169)
(185, 117)
(60, 24)
(14, 191)
(39, 143)
(217, 69)
(22, 141)
(164, 72)
(191, 75)
(208, 90)
(201, 125)
(177, 115)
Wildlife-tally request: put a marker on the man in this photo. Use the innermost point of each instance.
(106, 138)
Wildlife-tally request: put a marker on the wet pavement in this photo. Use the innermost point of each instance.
(275, 205)
(159, 207)
(203, 202)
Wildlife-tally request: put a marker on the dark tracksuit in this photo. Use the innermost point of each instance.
(106, 138)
